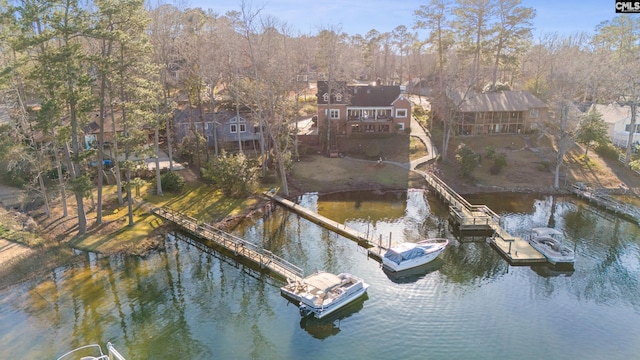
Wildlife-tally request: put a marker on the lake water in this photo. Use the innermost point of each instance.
(187, 302)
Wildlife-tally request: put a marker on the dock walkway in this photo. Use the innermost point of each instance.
(240, 247)
(374, 249)
(467, 217)
(606, 201)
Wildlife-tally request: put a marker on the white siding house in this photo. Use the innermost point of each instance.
(618, 118)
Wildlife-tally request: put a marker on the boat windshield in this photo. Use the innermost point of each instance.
(398, 257)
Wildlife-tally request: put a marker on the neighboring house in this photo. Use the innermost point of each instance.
(513, 112)
(92, 130)
(362, 109)
(418, 87)
(618, 119)
(229, 128)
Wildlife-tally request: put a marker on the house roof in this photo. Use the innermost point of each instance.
(221, 117)
(359, 95)
(94, 127)
(498, 101)
(367, 96)
(614, 112)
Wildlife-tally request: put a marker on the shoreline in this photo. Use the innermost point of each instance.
(13, 253)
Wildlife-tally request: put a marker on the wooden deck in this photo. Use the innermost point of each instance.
(467, 217)
(515, 249)
(263, 258)
(374, 249)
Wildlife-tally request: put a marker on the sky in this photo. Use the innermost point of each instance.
(564, 17)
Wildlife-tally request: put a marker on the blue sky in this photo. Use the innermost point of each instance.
(565, 17)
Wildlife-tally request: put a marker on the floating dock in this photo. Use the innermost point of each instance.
(375, 250)
(262, 258)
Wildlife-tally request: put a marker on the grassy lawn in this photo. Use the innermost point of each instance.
(198, 200)
(323, 174)
(399, 148)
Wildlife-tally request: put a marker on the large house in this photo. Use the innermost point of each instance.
(513, 112)
(618, 119)
(362, 109)
(226, 126)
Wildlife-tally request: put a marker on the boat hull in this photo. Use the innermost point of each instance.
(322, 293)
(406, 255)
(321, 312)
(412, 263)
(552, 256)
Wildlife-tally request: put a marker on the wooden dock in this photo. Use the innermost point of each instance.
(241, 248)
(604, 200)
(466, 217)
(375, 250)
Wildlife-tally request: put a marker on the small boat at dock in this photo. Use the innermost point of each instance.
(548, 242)
(408, 255)
(323, 293)
(92, 352)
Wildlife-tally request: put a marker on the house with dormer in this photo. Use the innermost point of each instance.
(362, 109)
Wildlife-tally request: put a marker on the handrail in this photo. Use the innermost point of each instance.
(99, 349)
(437, 183)
(111, 350)
(229, 241)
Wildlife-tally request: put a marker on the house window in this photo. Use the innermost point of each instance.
(401, 113)
(334, 114)
(234, 128)
(338, 97)
(401, 127)
(325, 97)
(243, 128)
(533, 113)
(628, 127)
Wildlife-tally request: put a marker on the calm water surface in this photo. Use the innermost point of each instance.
(188, 302)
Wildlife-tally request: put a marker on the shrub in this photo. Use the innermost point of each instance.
(372, 150)
(499, 161)
(236, 175)
(172, 182)
(607, 151)
(544, 166)
(467, 158)
(491, 151)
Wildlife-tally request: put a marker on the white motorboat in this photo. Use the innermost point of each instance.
(323, 293)
(92, 352)
(408, 255)
(548, 242)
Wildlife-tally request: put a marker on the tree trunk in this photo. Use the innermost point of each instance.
(556, 175)
(76, 173)
(157, 145)
(632, 131)
(116, 156)
(101, 150)
(63, 191)
(167, 130)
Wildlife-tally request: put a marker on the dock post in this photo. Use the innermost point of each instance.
(389, 247)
